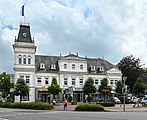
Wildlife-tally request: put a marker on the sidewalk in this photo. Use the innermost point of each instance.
(61, 107)
(116, 108)
(128, 108)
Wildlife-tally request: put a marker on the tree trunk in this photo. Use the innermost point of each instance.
(20, 98)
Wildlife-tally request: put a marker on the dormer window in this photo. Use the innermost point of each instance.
(100, 68)
(53, 66)
(92, 68)
(42, 66)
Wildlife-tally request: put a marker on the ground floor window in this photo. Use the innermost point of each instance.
(25, 98)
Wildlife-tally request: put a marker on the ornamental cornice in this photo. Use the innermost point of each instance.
(24, 69)
(114, 74)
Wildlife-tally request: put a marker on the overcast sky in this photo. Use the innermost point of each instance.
(111, 29)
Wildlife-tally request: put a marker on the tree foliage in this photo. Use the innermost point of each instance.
(119, 86)
(54, 89)
(131, 68)
(139, 87)
(21, 88)
(104, 88)
(5, 84)
(89, 88)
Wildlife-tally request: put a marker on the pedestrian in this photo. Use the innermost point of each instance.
(137, 101)
(65, 104)
(54, 102)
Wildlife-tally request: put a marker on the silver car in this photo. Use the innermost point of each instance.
(144, 101)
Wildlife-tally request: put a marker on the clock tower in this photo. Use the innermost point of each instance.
(24, 61)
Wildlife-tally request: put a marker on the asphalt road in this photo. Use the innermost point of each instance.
(19, 114)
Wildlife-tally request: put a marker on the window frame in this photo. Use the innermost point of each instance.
(73, 66)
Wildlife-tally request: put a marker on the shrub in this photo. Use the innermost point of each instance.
(30, 105)
(89, 107)
(74, 102)
(106, 104)
(70, 98)
(89, 98)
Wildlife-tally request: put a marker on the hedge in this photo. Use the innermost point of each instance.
(106, 104)
(89, 107)
(30, 105)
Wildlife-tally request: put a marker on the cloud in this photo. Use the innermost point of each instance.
(112, 29)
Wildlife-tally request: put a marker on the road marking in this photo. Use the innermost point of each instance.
(3, 119)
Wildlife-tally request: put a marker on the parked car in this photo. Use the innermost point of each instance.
(115, 100)
(144, 101)
(127, 99)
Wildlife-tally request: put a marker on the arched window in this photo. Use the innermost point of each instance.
(81, 67)
(42, 66)
(73, 66)
(29, 59)
(20, 59)
(24, 59)
(65, 66)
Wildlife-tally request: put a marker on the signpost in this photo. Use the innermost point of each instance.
(124, 92)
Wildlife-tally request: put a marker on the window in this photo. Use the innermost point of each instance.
(22, 77)
(111, 82)
(24, 60)
(81, 81)
(73, 81)
(65, 66)
(115, 81)
(92, 68)
(96, 81)
(27, 79)
(42, 66)
(81, 67)
(20, 59)
(39, 81)
(100, 68)
(65, 81)
(25, 98)
(46, 80)
(29, 59)
(73, 66)
(53, 66)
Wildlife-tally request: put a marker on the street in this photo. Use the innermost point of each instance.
(20, 114)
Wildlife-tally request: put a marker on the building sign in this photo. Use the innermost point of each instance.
(42, 89)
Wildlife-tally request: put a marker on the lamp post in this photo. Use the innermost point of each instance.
(124, 92)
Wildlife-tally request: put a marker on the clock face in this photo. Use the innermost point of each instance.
(24, 34)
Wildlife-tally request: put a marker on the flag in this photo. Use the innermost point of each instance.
(22, 10)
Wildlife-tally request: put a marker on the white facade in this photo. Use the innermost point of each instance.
(71, 71)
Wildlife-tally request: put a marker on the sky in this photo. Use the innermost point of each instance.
(111, 29)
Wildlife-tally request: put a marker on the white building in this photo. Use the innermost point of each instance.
(71, 71)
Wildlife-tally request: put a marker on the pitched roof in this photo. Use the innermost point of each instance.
(24, 34)
(100, 62)
(48, 60)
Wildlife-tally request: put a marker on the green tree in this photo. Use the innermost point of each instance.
(119, 87)
(139, 87)
(131, 68)
(5, 84)
(89, 88)
(54, 89)
(104, 88)
(21, 88)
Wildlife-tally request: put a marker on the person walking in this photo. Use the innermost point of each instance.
(65, 104)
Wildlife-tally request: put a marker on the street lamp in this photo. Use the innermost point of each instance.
(124, 92)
